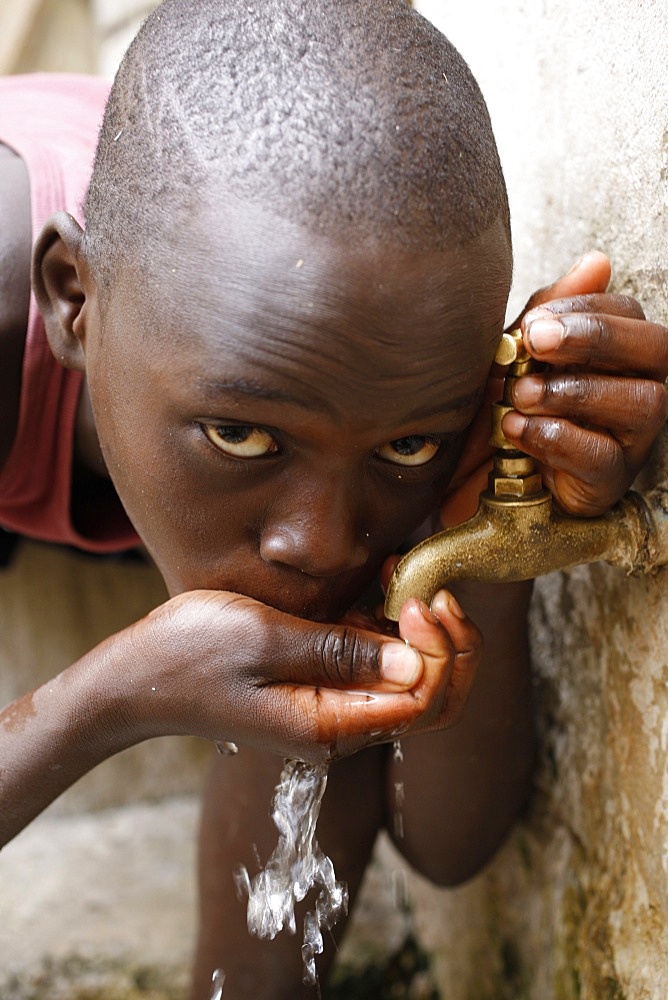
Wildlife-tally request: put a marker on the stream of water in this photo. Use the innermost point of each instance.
(296, 866)
(217, 981)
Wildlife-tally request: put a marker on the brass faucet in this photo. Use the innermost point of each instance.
(517, 534)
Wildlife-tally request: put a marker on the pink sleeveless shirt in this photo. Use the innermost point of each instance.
(52, 122)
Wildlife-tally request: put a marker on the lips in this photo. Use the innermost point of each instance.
(321, 599)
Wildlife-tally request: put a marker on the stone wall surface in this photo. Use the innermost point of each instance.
(96, 897)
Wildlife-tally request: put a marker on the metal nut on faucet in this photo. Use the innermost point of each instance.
(515, 486)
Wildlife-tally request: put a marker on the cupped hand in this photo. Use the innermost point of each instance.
(225, 667)
(592, 414)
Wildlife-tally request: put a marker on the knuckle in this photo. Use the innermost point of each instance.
(649, 403)
(543, 434)
(628, 306)
(597, 332)
(573, 389)
(586, 334)
(601, 456)
(344, 656)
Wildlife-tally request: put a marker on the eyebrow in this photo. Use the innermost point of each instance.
(257, 390)
(422, 412)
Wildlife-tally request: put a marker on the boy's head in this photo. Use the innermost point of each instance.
(294, 273)
(338, 114)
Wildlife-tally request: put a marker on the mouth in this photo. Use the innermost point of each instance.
(317, 599)
(325, 606)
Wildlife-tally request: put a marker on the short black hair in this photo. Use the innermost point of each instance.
(353, 112)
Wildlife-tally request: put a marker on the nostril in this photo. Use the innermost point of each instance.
(314, 551)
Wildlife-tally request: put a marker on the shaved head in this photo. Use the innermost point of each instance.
(338, 114)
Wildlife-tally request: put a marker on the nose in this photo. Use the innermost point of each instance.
(317, 531)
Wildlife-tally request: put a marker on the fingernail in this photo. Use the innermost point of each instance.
(455, 607)
(578, 264)
(513, 424)
(527, 391)
(445, 597)
(545, 335)
(428, 614)
(400, 663)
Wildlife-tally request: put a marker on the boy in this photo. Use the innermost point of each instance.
(285, 302)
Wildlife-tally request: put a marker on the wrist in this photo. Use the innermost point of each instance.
(99, 696)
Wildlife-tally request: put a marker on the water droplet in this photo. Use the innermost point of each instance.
(217, 980)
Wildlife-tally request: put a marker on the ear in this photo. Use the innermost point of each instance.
(60, 277)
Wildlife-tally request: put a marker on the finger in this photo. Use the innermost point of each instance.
(345, 657)
(336, 724)
(348, 720)
(631, 409)
(591, 273)
(615, 305)
(584, 469)
(599, 341)
(451, 647)
(274, 648)
(387, 569)
(468, 646)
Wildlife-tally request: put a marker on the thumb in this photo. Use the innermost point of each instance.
(280, 648)
(590, 274)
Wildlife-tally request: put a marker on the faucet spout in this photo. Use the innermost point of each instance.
(509, 540)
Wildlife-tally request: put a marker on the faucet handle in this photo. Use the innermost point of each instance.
(511, 351)
(514, 478)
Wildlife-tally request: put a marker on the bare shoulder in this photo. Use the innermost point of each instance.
(15, 247)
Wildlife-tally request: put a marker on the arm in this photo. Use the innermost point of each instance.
(224, 667)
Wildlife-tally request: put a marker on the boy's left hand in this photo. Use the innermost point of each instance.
(591, 417)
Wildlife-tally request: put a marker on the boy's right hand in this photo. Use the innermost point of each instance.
(225, 667)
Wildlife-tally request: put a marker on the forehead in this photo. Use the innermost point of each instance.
(238, 295)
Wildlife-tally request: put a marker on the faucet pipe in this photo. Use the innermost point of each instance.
(509, 541)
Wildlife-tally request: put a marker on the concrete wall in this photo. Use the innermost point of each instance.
(97, 894)
(52, 35)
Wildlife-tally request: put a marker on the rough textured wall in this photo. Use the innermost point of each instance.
(576, 905)
(116, 23)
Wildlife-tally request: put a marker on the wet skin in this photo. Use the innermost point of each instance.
(260, 415)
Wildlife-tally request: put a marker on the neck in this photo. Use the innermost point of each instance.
(87, 446)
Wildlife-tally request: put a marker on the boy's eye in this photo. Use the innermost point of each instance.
(412, 450)
(241, 440)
